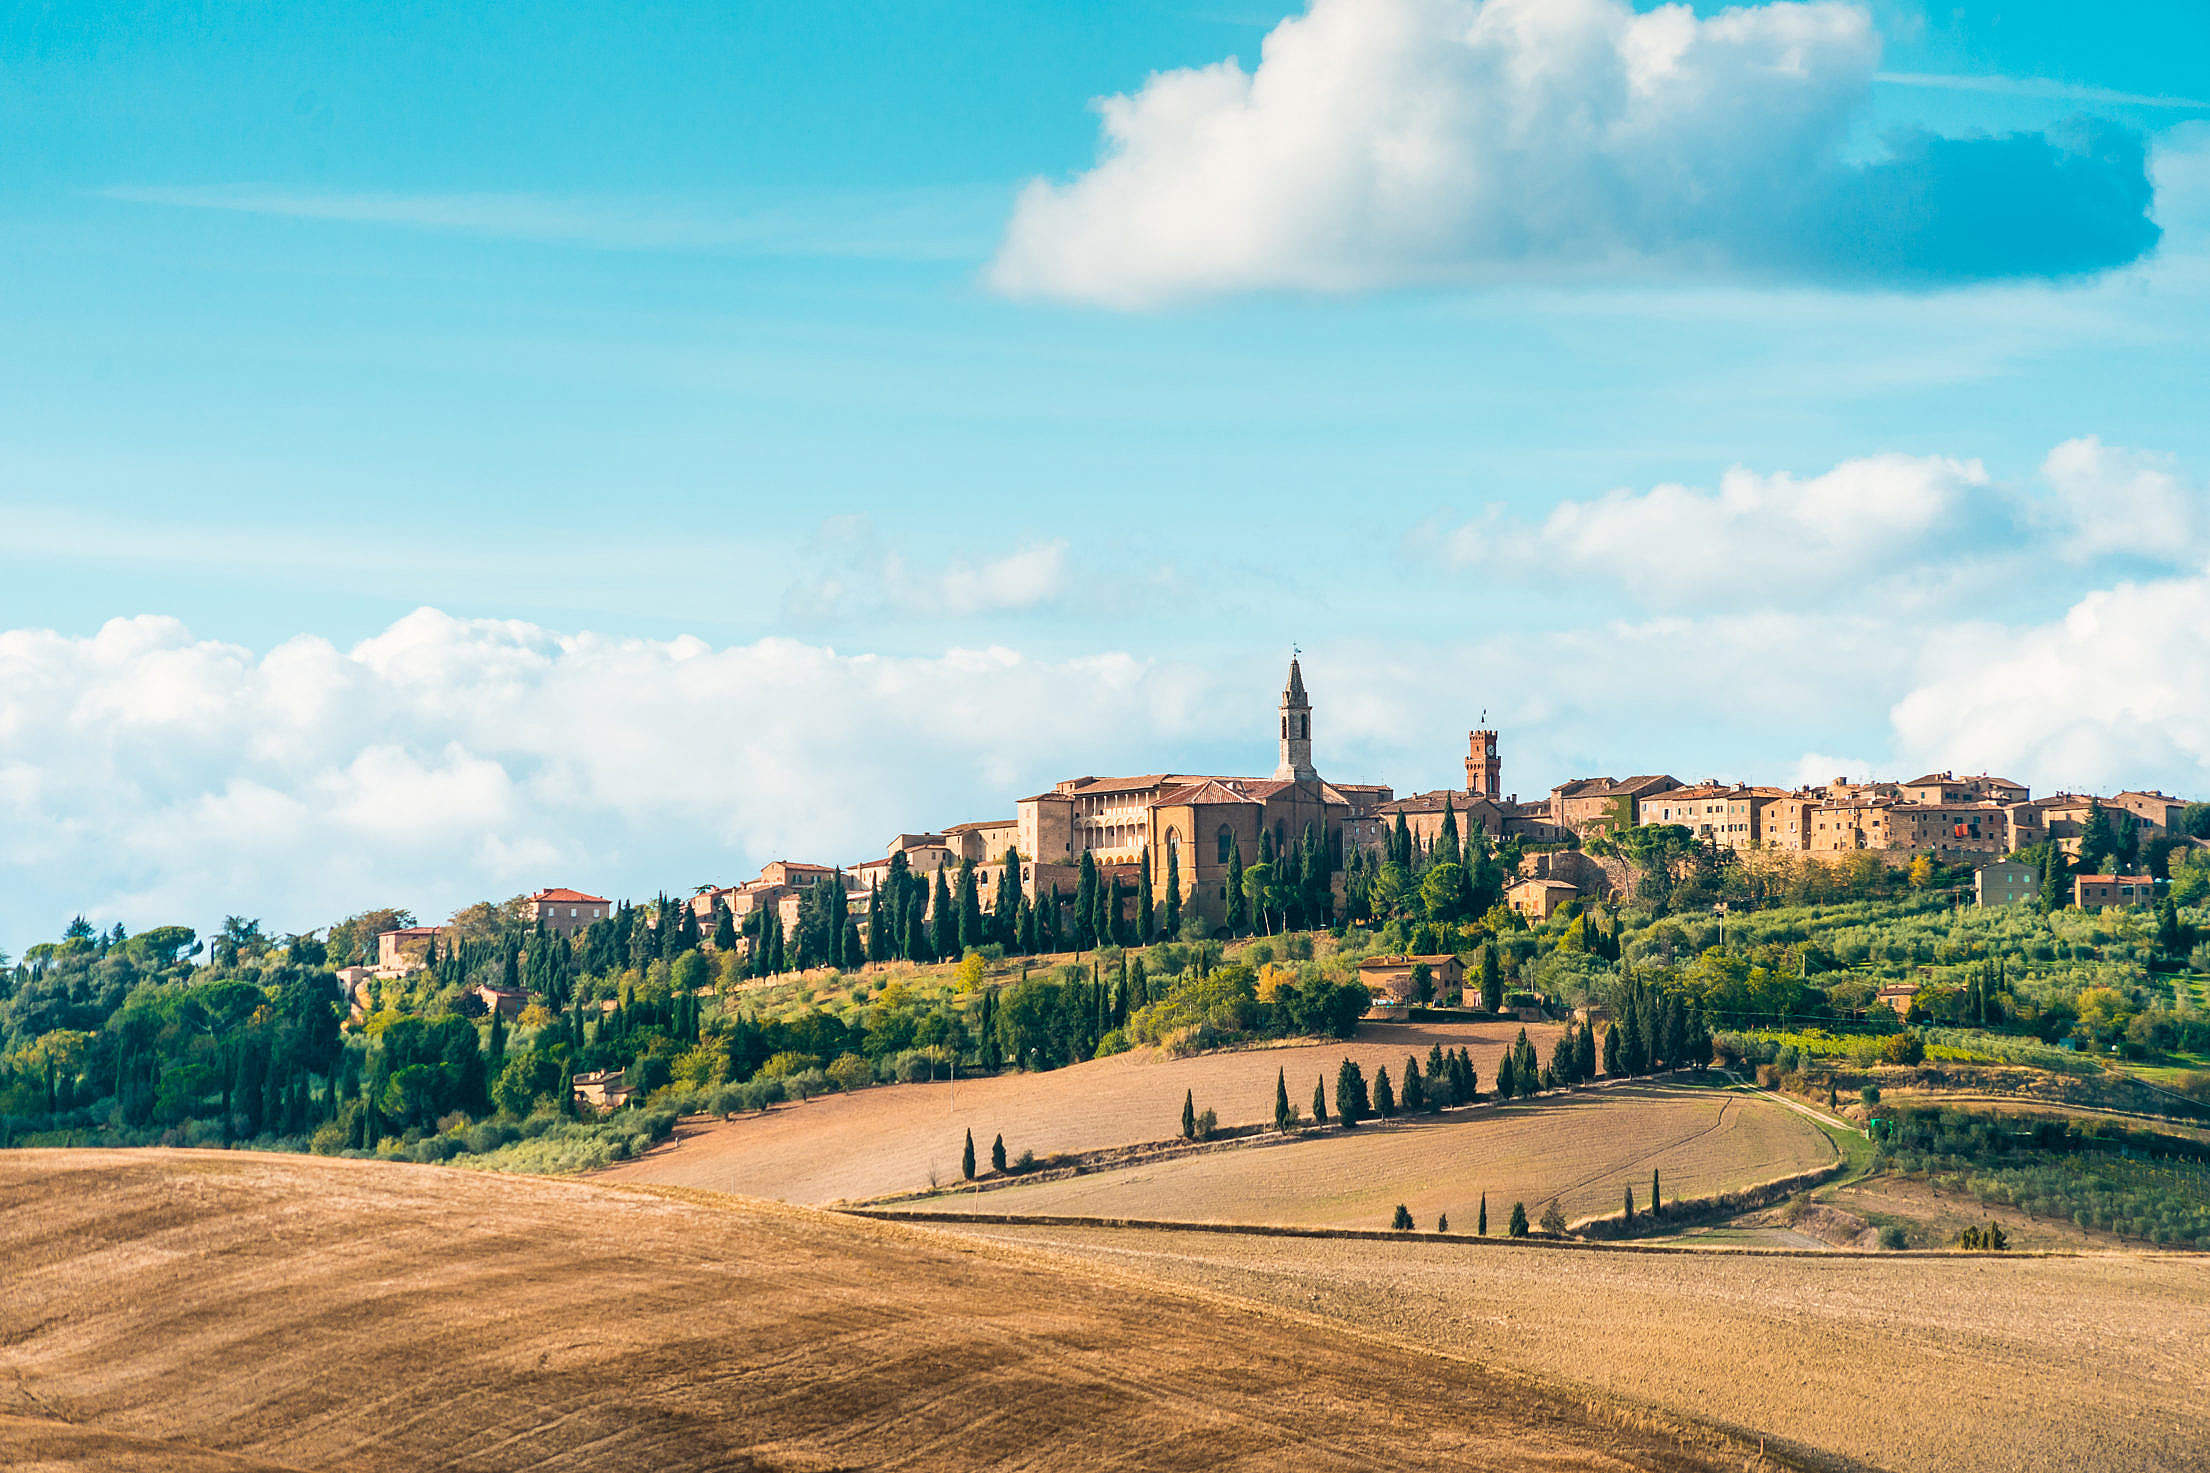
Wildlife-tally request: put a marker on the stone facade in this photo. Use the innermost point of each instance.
(566, 912)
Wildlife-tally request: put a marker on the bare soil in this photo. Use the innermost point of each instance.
(224, 1312)
(850, 1147)
(1917, 1364)
(1583, 1149)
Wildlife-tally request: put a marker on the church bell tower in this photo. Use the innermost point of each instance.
(1484, 772)
(1296, 731)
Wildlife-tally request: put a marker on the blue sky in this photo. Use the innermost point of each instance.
(733, 324)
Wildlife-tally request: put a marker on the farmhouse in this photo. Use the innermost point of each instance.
(602, 1090)
(2095, 892)
(1398, 977)
(565, 912)
(1540, 899)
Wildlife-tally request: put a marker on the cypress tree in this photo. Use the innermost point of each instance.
(1504, 1081)
(1005, 909)
(1320, 1101)
(967, 1158)
(1629, 1210)
(1144, 912)
(1492, 980)
(970, 908)
(1415, 1090)
(1173, 891)
(1518, 1226)
(1283, 1118)
(943, 921)
(1385, 1098)
(1402, 1221)
(1611, 1051)
(1238, 905)
(997, 1155)
(1584, 1052)
(1189, 1115)
(1442, 1222)
(495, 1051)
(1482, 1226)
(1446, 842)
(1654, 1207)
(1350, 1094)
(1085, 903)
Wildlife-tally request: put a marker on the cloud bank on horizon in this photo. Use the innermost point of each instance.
(1383, 143)
(151, 776)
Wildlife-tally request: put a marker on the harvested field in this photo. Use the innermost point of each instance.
(232, 1311)
(888, 1139)
(1923, 1365)
(1583, 1149)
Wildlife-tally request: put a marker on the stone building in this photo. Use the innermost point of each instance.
(1591, 805)
(2095, 892)
(565, 912)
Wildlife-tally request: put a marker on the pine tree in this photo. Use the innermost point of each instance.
(1518, 1226)
(1189, 1115)
(1284, 1117)
(997, 1155)
(967, 1158)
(1320, 1101)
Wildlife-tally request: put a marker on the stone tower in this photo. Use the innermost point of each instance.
(1484, 772)
(1296, 731)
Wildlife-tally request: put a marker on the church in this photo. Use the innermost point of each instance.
(1199, 820)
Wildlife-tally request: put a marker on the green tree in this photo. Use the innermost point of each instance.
(997, 1155)
(943, 921)
(1173, 891)
(1284, 1116)
(967, 1158)
(1085, 903)
(1655, 1206)
(1627, 1212)
(1402, 1221)
(1518, 1226)
(1481, 1224)
(1238, 917)
(1320, 1101)
(1385, 1098)
(1350, 1094)
(1442, 1222)
(1189, 1115)
(1611, 1052)
(1492, 980)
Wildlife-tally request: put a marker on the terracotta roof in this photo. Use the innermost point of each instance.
(2116, 879)
(985, 823)
(412, 931)
(1433, 802)
(1545, 884)
(1212, 790)
(566, 897)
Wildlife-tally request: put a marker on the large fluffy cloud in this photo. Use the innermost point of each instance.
(1382, 142)
(1897, 528)
(146, 774)
(2114, 694)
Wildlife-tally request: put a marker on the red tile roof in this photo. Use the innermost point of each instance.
(567, 897)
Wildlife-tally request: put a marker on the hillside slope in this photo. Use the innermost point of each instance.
(211, 1310)
(883, 1140)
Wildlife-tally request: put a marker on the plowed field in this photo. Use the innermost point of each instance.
(1921, 1365)
(1584, 1149)
(889, 1139)
(217, 1311)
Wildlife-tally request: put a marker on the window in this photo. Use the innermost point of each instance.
(1227, 842)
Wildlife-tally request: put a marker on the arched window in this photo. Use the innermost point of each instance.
(1227, 842)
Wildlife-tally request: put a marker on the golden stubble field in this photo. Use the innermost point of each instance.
(888, 1139)
(233, 1311)
(1917, 1364)
(1583, 1148)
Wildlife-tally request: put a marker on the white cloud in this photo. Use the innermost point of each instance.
(1391, 142)
(855, 577)
(1757, 536)
(2111, 500)
(2111, 695)
(148, 775)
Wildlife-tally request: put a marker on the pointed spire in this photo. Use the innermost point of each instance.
(1293, 694)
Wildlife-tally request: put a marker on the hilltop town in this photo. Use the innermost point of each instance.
(1169, 855)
